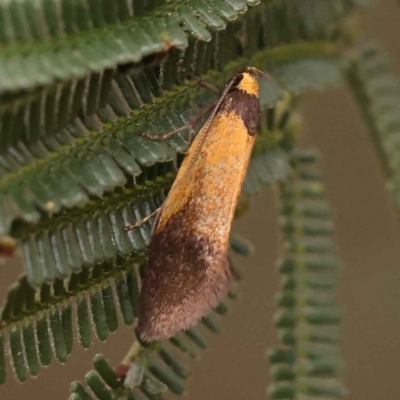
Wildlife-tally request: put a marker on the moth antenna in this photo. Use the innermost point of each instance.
(258, 72)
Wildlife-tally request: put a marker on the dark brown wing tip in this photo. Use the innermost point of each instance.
(150, 332)
(161, 325)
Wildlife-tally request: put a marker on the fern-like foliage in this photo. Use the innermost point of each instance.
(377, 91)
(72, 58)
(309, 364)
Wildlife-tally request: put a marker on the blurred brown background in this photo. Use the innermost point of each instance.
(234, 366)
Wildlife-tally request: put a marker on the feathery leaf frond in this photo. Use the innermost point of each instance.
(309, 364)
(58, 59)
(377, 90)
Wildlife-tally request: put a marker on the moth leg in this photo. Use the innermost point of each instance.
(195, 120)
(201, 81)
(165, 135)
(190, 125)
(206, 84)
(128, 228)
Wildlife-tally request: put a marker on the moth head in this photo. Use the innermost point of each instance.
(245, 81)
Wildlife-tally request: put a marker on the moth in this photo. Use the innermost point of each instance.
(188, 270)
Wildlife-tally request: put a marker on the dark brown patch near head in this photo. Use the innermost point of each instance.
(234, 81)
(246, 106)
(186, 275)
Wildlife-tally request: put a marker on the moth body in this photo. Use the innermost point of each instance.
(188, 269)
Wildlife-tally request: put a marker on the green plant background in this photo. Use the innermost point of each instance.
(234, 365)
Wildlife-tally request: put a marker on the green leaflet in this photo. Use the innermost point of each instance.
(17, 355)
(309, 361)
